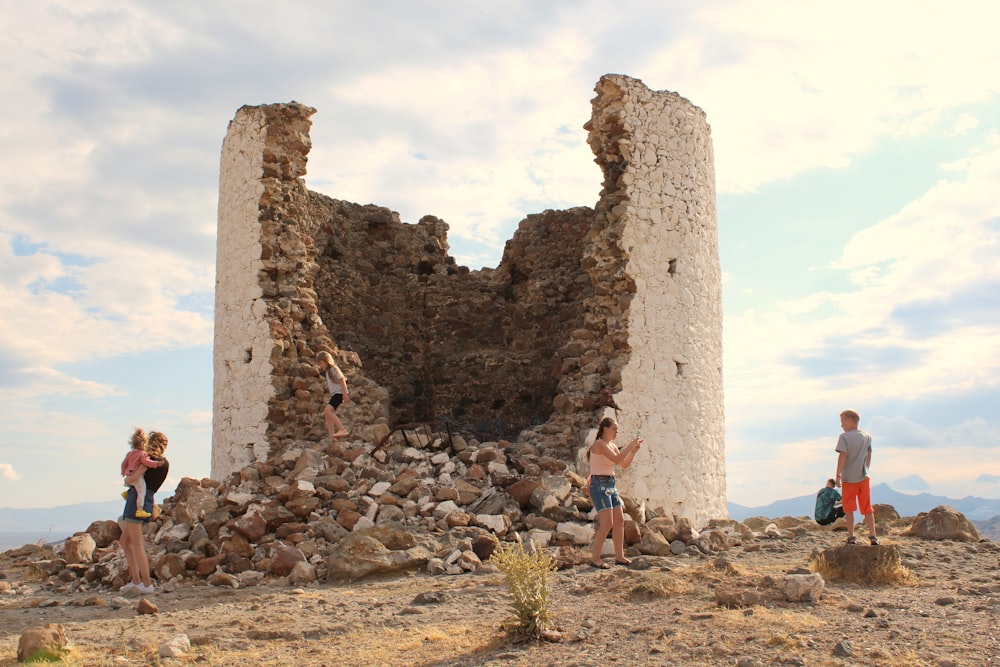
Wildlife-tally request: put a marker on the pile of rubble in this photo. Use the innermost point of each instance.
(417, 500)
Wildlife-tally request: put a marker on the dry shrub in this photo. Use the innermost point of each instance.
(655, 585)
(885, 567)
(527, 574)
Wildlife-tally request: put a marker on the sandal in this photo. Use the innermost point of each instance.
(600, 566)
(873, 540)
(852, 540)
(623, 562)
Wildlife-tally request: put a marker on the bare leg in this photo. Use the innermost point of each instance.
(603, 528)
(333, 424)
(126, 541)
(618, 535)
(136, 553)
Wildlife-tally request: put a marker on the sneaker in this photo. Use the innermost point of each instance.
(852, 540)
(125, 495)
(873, 540)
(144, 589)
(142, 514)
(127, 587)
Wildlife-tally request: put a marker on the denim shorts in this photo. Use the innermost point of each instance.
(132, 501)
(603, 493)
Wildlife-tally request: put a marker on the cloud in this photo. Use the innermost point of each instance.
(7, 472)
(988, 479)
(909, 322)
(811, 102)
(112, 306)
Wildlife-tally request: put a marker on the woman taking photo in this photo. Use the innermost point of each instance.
(603, 455)
(131, 539)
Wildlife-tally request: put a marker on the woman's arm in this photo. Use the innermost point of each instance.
(343, 388)
(621, 456)
(631, 453)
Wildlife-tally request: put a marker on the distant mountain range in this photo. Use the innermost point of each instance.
(974, 509)
(64, 520)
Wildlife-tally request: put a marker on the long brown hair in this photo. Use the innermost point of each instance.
(157, 443)
(604, 425)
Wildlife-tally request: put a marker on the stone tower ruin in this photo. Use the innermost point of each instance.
(613, 310)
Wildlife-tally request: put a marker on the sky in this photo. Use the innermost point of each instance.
(857, 155)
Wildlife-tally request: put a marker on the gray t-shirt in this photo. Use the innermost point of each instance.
(857, 444)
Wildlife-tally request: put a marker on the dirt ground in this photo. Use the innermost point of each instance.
(658, 611)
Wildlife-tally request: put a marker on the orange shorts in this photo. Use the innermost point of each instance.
(858, 496)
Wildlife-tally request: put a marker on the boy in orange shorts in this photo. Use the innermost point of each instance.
(855, 455)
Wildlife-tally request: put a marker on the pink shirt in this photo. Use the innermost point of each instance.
(136, 458)
(602, 465)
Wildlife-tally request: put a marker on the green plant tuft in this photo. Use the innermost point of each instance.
(527, 574)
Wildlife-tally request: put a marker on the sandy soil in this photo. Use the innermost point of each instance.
(659, 611)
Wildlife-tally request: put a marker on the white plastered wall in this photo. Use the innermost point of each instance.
(672, 382)
(243, 344)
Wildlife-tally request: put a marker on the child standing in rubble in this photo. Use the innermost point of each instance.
(337, 384)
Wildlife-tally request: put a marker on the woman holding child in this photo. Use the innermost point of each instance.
(136, 514)
(603, 455)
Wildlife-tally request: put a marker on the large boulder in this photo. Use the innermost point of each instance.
(379, 551)
(104, 532)
(47, 643)
(944, 523)
(79, 549)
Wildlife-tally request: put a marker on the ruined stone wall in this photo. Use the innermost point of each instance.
(477, 348)
(589, 308)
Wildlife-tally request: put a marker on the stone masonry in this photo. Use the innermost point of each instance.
(611, 310)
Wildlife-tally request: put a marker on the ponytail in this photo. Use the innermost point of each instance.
(601, 427)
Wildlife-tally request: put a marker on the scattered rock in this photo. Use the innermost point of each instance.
(146, 607)
(801, 587)
(843, 649)
(175, 647)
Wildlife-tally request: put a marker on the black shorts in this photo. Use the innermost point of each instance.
(336, 400)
